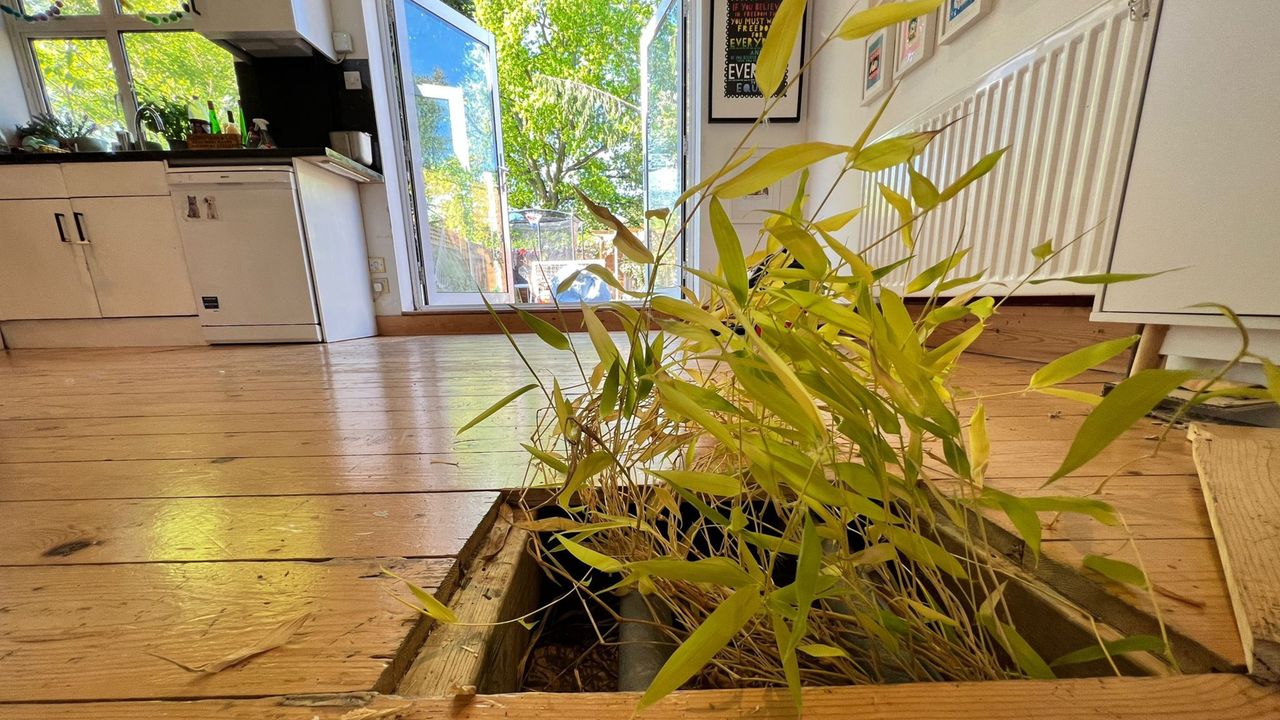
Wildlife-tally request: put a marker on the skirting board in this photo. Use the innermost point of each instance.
(102, 332)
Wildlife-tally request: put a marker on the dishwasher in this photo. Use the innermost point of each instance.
(276, 253)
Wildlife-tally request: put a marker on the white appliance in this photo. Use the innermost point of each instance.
(275, 253)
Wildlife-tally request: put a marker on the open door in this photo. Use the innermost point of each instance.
(665, 125)
(450, 91)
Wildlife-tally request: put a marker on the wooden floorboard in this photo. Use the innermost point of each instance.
(174, 502)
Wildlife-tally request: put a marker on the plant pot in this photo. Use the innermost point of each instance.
(177, 144)
(89, 144)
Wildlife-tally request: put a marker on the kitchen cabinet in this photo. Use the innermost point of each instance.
(268, 28)
(97, 244)
(43, 270)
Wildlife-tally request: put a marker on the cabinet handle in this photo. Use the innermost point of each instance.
(62, 233)
(79, 217)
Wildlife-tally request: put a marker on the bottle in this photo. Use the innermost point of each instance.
(231, 128)
(215, 127)
(199, 124)
(261, 138)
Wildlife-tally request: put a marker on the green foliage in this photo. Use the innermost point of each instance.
(781, 464)
(570, 91)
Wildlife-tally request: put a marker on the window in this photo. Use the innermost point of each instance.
(100, 60)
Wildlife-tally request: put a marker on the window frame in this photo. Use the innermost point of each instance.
(110, 24)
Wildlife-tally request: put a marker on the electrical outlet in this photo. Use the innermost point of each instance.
(377, 266)
(351, 80)
(379, 287)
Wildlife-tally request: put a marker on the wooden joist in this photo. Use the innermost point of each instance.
(1240, 474)
(1190, 697)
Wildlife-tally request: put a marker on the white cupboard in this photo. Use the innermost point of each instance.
(99, 249)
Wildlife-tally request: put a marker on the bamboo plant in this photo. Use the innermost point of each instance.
(776, 462)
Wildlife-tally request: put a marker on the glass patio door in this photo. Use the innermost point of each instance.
(449, 75)
(663, 107)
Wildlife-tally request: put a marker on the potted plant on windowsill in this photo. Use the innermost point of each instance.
(70, 132)
(173, 114)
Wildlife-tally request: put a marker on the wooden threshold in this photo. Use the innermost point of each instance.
(481, 322)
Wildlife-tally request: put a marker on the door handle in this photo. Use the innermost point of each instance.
(79, 218)
(58, 218)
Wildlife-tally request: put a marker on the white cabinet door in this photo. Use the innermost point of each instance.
(135, 256)
(43, 274)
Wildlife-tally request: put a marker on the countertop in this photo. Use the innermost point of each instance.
(198, 158)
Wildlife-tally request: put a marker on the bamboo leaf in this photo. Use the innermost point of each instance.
(1116, 570)
(776, 165)
(496, 407)
(836, 222)
(868, 21)
(819, 650)
(1273, 379)
(1024, 519)
(430, 605)
(1127, 403)
(554, 462)
(982, 167)
(609, 393)
(1042, 251)
(924, 550)
(702, 482)
(1075, 363)
(1026, 658)
(591, 558)
(712, 571)
(936, 272)
(732, 262)
(625, 240)
(771, 64)
(979, 444)
(803, 247)
(1101, 511)
(1074, 395)
(893, 151)
(1131, 644)
(906, 215)
(605, 349)
(715, 632)
(674, 399)
(1104, 278)
(688, 312)
(923, 191)
(711, 179)
(544, 330)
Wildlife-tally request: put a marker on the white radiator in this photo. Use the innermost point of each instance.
(1067, 108)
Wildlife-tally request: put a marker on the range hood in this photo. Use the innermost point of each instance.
(267, 28)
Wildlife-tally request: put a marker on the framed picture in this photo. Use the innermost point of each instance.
(914, 43)
(960, 14)
(877, 64)
(738, 29)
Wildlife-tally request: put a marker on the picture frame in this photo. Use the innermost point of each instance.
(738, 29)
(915, 43)
(877, 64)
(955, 16)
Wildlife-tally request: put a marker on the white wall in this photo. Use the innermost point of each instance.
(13, 102)
(384, 213)
(837, 114)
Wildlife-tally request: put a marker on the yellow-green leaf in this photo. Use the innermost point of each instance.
(905, 214)
(496, 407)
(605, 349)
(776, 165)
(554, 462)
(868, 21)
(591, 558)
(771, 65)
(1273, 379)
(1026, 658)
(837, 222)
(702, 482)
(1127, 403)
(715, 632)
(1104, 278)
(1042, 251)
(430, 605)
(714, 177)
(1097, 509)
(674, 400)
(982, 167)
(712, 571)
(979, 444)
(1072, 364)
(803, 247)
(820, 650)
(924, 550)
(936, 272)
(732, 262)
(544, 330)
(923, 191)
(1074, 395)
(1098, 651)
(893, 151)
(1117, 570)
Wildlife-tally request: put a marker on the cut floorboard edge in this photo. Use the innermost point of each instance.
(1187, 697)
(1240, 476)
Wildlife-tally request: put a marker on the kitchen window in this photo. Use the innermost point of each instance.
(101, 60)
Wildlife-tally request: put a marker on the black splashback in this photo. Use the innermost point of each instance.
(305, 99)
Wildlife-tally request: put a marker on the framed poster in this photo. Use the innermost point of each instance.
(738, 29)
(877, 64)
(960, 14)
(914, 43)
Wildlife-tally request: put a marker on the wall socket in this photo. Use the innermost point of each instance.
(351, 80)
(377, 266)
